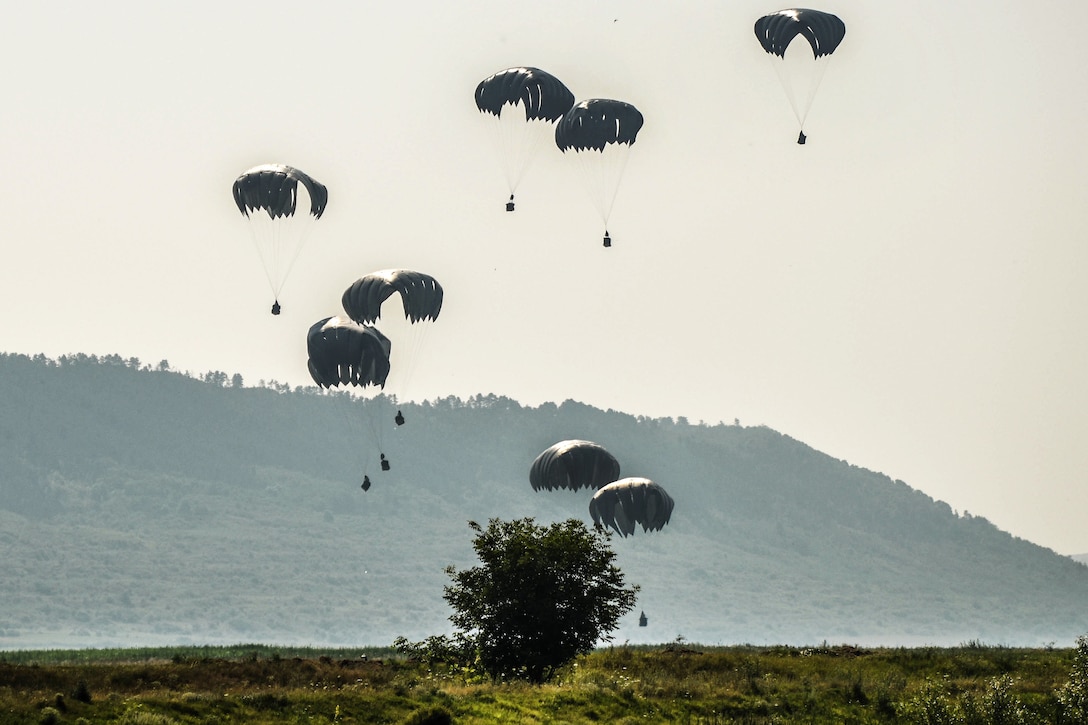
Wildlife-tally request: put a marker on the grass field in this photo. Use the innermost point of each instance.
(677, 682)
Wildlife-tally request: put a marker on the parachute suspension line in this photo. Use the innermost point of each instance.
(255, 236)
(374, 412)
(602, 171)
(800, 75)
(361, 423)
(380, 422)
(293, 251)
(366, 417)
(519, 142)
(347, 406)
(275, 253)
(614, 168)
(409, 343)
(416, 339)
(277, 246)
(365, 414)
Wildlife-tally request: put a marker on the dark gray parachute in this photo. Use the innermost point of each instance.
(542, 95)
(420, 293)
(629, 501)
(823, 31)
(593, 124)
(343, 352)
(573, 464)
(273, 188)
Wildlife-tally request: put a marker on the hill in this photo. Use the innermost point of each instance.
(142, 506)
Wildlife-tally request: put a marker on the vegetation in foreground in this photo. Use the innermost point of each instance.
(678, 682)
(541, 596)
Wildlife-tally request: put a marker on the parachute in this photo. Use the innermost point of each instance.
(543, 100)
(799, 74)
(542, 95)
(421, 297)
(573, 464)
(600, 133)
(593, 124)
(342, 352)
(278, 233)
(629, 501)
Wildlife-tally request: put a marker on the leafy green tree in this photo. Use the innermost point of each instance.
(542, 596)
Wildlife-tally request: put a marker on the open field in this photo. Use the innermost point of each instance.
(678, 682)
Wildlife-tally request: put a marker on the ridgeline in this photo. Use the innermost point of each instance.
(140, 506)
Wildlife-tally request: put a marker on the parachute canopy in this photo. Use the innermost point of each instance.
(542, 95)
(343, 352)
(273, 188)
(593, 124)
(629, 501)
(573, 464)
(823, 31)
(420, 294)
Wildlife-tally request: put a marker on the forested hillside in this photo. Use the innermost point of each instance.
(139, 505)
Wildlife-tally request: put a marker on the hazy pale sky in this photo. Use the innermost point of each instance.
(903, 292)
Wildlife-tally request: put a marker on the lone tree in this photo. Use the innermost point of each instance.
(542, 596)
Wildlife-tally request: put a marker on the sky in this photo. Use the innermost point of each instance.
(903, 292)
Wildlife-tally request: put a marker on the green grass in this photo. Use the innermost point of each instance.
(670, 683)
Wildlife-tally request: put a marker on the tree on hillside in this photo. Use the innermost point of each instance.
(542, 596)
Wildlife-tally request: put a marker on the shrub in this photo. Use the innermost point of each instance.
(931, 706)
(998, 706)
(1073, 695)
(935, 705)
